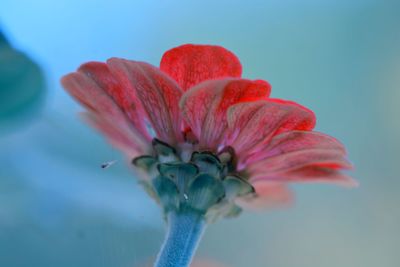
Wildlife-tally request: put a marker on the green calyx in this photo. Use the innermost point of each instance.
(206, 183)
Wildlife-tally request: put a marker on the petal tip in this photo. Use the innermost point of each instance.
(190, 64)
(350, 183)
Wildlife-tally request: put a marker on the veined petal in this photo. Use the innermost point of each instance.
(299, 159)
(119, 137)
(126, 100)
(309, 174)
(268, 195)
(300, 140)
(204, 106)
(252, 125)
(191, 64)
(295, 141)
(104, 111)
(158, 94)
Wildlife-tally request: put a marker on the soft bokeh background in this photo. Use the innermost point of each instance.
(340, 58)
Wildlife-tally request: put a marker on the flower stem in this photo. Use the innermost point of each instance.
(185, 229)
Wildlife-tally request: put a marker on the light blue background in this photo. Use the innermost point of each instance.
(339, 58)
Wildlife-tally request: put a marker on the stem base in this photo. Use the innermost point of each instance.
(185, 229)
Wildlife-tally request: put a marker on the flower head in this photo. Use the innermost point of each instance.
(202, 134)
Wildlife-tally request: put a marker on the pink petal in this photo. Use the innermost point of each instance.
(253, 124)
(309, 174)
(204, 106)
(126, 100)
(191, 64)
(105, 111)
(118, 137)
(300, 140)
(296, 149)
(268, 195)
(157, 94)
(299, 159)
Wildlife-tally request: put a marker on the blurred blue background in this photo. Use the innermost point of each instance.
(339, 58)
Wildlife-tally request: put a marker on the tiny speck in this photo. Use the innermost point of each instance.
(185, 196)
(107, 164)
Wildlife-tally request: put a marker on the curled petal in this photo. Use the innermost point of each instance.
(157, 94)
(252, 125)
(191, 64)
(268, 195)
(204, 106)
(316, 173)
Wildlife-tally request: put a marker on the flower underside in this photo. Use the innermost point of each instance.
(219, 137)
(208, 141)
(206, 182)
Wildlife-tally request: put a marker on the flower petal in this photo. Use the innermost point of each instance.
(126, 100)
(310, 174)
(104, 113)
(299, 159)
(204, 106)
(268, 195)
(191, 64)
(300, 140)
(252, 125)
(157, 93)
(291, 142)
(120, 138)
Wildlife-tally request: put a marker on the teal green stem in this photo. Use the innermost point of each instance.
(185, 229)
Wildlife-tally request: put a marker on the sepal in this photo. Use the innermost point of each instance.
(204, 192)
(167, 192)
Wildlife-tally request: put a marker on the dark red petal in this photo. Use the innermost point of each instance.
(253, 124)
(157, 94)
(309, 174)
(268, 195)
(204, 106)
(191, 64)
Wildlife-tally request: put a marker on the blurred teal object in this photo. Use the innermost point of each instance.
(22, 86)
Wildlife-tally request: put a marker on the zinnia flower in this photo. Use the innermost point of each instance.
(205, 139)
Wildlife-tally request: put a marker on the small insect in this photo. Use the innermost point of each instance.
(107, 164)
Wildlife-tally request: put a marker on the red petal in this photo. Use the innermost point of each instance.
(269, 195)
(125, 99)
(104, 111)
(253, 124)
(310, 174)
(191, 64)
(204, 106)
(156, 92)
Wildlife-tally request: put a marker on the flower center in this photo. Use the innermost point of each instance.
(205, 182)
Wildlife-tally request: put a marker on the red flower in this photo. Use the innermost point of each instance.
(197, 101)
